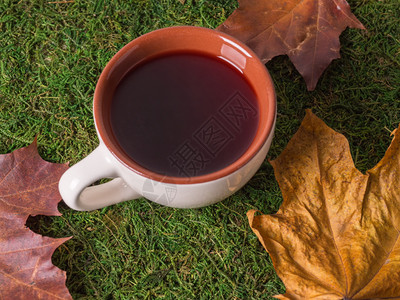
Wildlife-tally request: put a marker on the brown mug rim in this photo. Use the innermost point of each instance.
(123, 158)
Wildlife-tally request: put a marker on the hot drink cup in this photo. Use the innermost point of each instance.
(185, 117)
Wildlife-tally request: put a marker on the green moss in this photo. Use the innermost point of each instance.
(51, 56)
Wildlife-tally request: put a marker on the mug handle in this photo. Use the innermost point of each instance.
(74, 183)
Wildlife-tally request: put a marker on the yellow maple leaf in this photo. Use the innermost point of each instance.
(337, 233)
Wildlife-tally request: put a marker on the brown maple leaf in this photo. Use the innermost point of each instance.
(337, 233)
(28, 186)
(306, 30)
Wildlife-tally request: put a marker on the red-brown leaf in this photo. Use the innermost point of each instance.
(28, 186)
(306, 30)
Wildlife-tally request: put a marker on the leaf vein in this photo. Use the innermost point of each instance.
(381, 265)
(272, 25)
(29, 286)
(329, 220)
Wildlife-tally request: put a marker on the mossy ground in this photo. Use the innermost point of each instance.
(51, 55)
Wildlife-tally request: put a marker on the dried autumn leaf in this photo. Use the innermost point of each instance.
(337, 233)
(306, 30)
(28, 186)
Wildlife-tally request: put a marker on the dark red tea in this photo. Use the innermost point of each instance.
(184, 114)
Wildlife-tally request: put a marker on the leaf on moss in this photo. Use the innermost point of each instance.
(28, 186)
(306, 30)
(337, 233)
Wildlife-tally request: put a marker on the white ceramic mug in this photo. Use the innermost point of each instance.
(132, 180)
